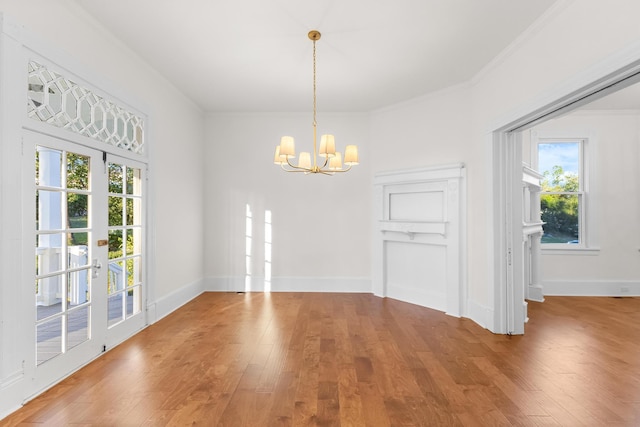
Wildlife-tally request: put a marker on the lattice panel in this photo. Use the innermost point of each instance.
(62, 103)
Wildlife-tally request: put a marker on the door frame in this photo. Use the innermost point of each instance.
(119, 333)
(616, 72)
(17, 47)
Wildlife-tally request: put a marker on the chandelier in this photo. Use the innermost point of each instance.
(332, 159)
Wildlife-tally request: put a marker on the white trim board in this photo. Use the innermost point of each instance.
(173, 301)
(289, 284)
(480, 314)
(592, 288)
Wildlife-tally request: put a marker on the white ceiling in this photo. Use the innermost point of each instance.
(254, 55)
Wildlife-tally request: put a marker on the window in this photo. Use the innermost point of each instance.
(61, 102)
(563, 195)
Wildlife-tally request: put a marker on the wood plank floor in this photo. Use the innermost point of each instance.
(286, 359)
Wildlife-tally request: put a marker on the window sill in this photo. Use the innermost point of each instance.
(570, 251)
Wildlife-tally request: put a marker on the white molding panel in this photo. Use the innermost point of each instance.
(592, 288)
(288, 284)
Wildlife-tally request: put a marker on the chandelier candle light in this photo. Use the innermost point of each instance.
(332, 158)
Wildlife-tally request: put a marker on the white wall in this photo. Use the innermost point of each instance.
(572, 37)
(449, 126)
(320, 223)
(576, 36)
(564, 47)
(614, 198)
(174, 139)
(429, 130)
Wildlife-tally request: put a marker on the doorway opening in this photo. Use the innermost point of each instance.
(612, 75)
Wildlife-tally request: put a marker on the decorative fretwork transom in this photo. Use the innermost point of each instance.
(63, 103)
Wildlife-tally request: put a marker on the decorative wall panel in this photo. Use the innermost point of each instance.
(410, 278)
(416, 206)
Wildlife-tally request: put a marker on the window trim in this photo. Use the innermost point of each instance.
(586, 223)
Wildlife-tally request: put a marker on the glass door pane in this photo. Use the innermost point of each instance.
(62, 251)
(125, 279)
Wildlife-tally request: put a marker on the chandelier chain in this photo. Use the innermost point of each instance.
(314, 84)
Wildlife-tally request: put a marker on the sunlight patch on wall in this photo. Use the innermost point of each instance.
(248, 244)
(267, 251)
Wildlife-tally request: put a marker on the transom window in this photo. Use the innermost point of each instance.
(61, 102)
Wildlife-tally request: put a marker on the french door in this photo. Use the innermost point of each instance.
(87, 239)
(125, 299)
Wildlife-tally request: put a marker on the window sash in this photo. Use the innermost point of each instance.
(565, 224)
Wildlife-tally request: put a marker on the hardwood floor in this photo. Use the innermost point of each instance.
(287, 359)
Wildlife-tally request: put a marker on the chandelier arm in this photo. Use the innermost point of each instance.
(295, 168)
(342, 170)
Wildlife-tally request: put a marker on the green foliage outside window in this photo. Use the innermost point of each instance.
(559, 205)
(117, 253)
(116, 243)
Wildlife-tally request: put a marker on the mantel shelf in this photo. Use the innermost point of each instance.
(412, 228)
(533, 224)
(531, 228)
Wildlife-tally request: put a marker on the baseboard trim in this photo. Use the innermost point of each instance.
(176, 299)
(481, 314)
(596, 288)
(289, 284)
(478, 313)
(11, 392)
(536, 293)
